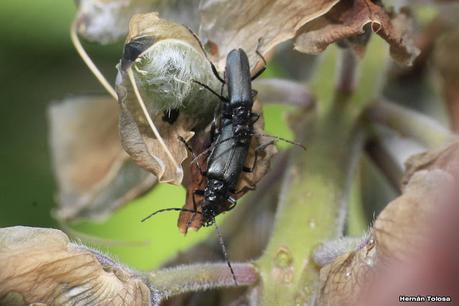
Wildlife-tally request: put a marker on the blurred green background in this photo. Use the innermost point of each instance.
(38, 65)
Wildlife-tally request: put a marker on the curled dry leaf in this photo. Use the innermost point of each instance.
(106, 21)
(160, 61)
(351, 19)
(445, 158)
(341, 280)
(194, 181)
(42, 266)
(402, 227)
(240, 24)
(246, 180)
(94, 175)
(398, 235)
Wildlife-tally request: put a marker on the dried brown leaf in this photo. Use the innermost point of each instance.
(163, 75)
(42, 266)
(194, 181)
(445, 158)
(240, 24)
(350, 19)
(106, 21)
(398, 235)
(342, 279)
(402, 227)
(94, 175)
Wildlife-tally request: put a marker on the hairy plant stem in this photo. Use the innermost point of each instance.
(280, 91)
(187, 278)
(409, 123)
(312, 206)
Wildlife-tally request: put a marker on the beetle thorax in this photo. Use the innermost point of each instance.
(242, 123)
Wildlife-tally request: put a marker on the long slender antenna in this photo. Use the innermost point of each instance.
(225, 254)
(169, 209)
(193, 155)
(286, 140)
(88, 61)
(211, 148)
(147, 116)
(211, 90)
(214, 69)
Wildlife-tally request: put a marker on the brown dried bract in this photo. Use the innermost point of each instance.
(350, 19)
(342, 279)
(398, 236)
(95, 176)
(194, 181)
(405, 223)
(445, 158)
(195, 105)
(41, 266)
(240, 24)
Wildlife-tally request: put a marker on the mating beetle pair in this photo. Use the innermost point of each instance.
(230, 144)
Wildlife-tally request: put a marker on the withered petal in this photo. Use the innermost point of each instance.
(94, 175)
(39, 265)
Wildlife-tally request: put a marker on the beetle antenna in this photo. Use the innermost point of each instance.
(262, 69)
(193, 155)
(257, 51)
(214, 69)
(169, 209)
(211, 90)
(225, 254)
(285, 140)
(195, 159)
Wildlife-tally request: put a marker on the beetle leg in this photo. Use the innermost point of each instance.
(211, 90)
(257, 149)
(257, 51)
(189, 148)
(214, 69)
(259, 72)
(245, 189)
(255, 117)
(232, 201)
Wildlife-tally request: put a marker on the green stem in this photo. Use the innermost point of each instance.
(410, 123)
(312, 207)
(169, 282)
